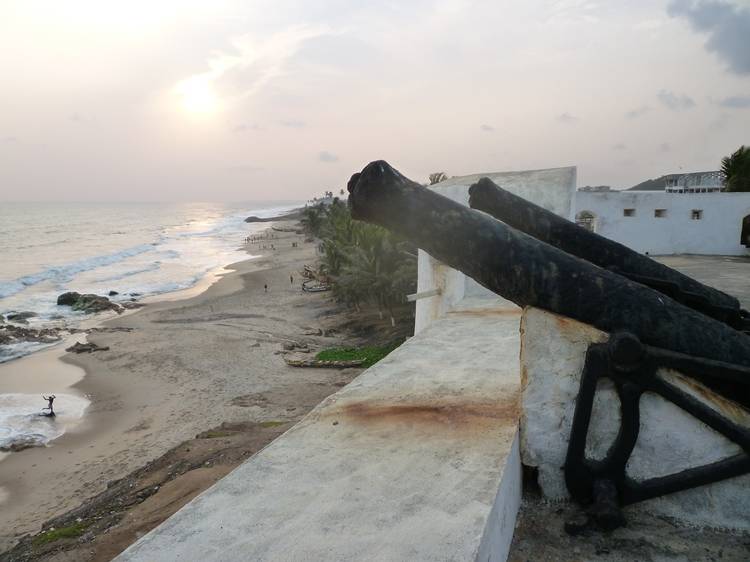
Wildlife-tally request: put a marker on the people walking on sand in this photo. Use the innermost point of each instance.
(265, 287)
(291, 279)
(50, 399)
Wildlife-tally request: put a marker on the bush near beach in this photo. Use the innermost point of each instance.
(365, 264)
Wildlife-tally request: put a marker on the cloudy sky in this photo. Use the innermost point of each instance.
(282, 99)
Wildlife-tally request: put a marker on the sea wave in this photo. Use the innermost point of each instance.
(20, 417)
(155, 266)
(63, 273)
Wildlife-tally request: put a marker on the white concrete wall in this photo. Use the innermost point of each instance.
(718, 232)
(553, 189)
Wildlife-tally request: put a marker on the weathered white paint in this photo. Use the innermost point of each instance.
(553, 350)
(553, 189)
(417, 459)
(717, 232)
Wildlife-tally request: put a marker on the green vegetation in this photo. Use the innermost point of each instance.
(365, 264)
(69, 532)
(736, 169)
(370, 355)
(272, 423)
(214, 434)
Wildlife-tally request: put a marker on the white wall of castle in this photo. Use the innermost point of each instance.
(675, 231)
(553, 189)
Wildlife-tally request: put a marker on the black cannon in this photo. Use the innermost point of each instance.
(657, 317)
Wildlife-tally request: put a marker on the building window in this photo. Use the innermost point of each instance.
(696, 214)
(660, 213)
(587, 220)
(628, 212)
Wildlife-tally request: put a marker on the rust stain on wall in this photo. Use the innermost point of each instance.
(445, 414)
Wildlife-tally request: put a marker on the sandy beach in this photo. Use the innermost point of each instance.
(174, 369)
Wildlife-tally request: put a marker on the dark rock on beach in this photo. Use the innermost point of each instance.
(87, 303)
(113, 293)
(20, 317)
(79, 347)
(68, 299)
(10, 334)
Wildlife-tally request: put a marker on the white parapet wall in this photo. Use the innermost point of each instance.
(663, 223)
(553, 349)
(553, 189)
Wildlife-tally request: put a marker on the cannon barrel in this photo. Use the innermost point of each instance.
(530, 272)
(553, 229)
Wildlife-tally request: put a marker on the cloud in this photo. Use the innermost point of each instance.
(637, 112)
(665, 147)
(80, 118)
(735, 102)
(567, 118)
(487, 128)
(649, 25)
(293, 124)
(250, 63)
(619, 146)
(325, 156)
(245, 127)
(244, 168)
(10, 140)
(675, 102)
(726, 24)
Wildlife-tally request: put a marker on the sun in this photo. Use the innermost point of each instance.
(197, 96)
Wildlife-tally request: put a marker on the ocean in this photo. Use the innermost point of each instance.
(136, 249)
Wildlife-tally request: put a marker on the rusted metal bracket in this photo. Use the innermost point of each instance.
(632, 367)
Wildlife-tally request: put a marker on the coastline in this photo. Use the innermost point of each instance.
(186, 366)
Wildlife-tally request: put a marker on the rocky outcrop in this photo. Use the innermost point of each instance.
(20, 317)
(79, 347)
(291, 215)
(87, 303)
(10, 334)
(68, 299)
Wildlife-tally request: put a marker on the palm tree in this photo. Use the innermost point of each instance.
(437, 177)
(364, 263)
(736, 170)
(312, 219)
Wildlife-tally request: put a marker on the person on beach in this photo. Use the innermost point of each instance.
(265, 287)
(291, 279)
(50, 399)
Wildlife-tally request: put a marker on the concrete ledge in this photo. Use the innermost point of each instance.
(417, 459)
